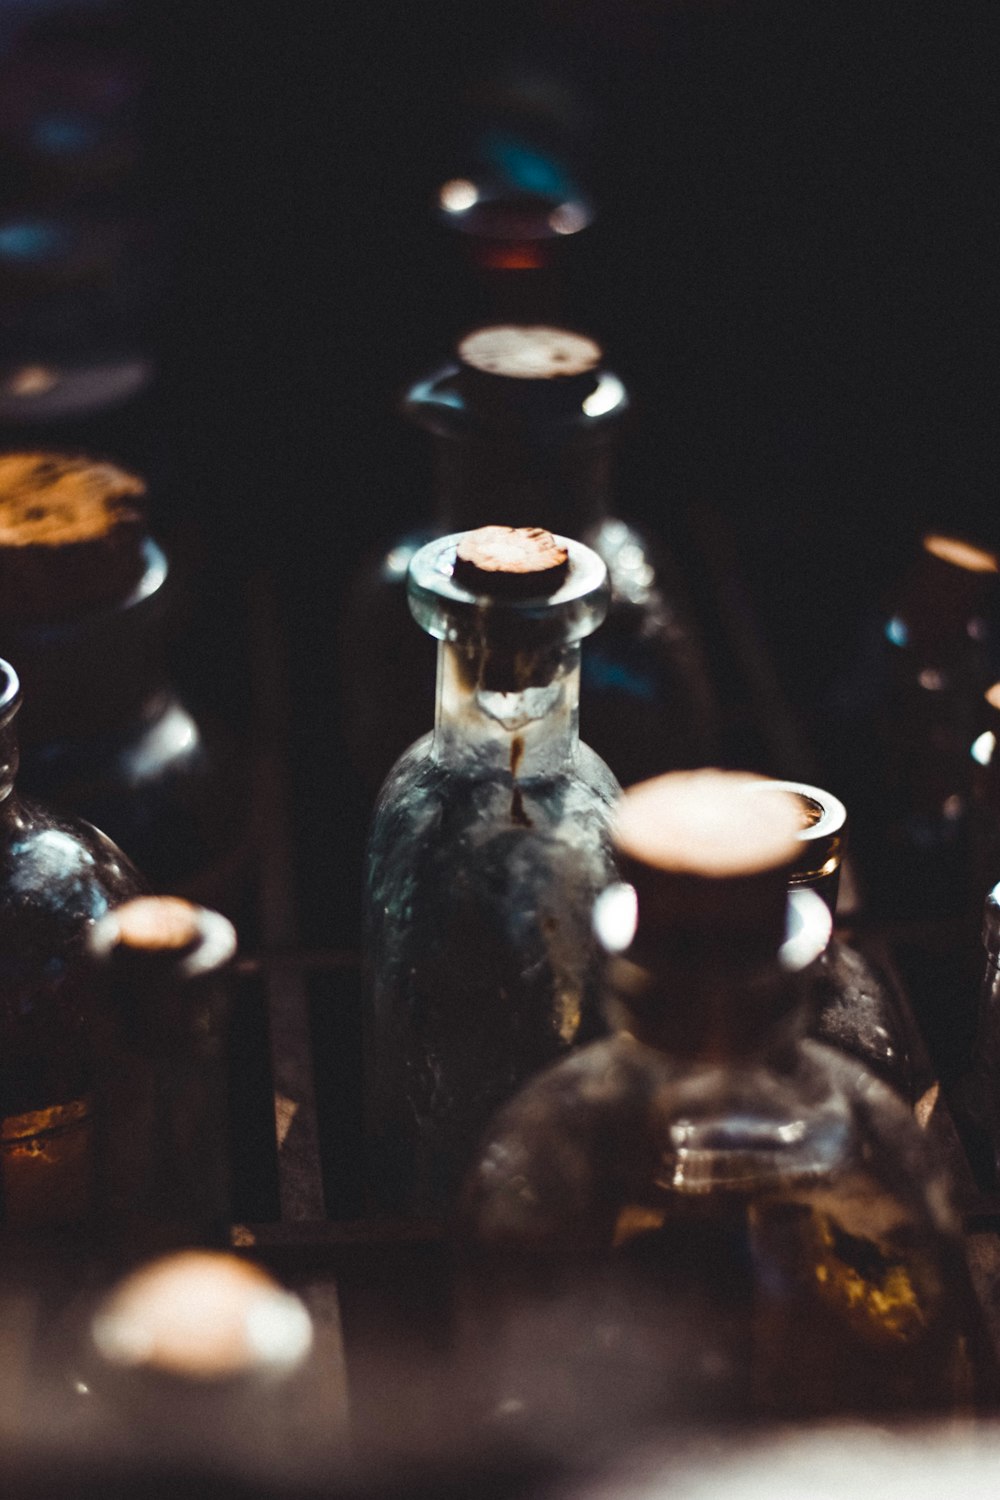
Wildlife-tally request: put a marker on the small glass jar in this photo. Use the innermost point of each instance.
(58, 876)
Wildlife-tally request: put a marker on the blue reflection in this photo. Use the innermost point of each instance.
(31, 239)
(525, 167)
(64, 135)
(897, 632)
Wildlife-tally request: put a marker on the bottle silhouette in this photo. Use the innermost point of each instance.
(160, 1028)
(85, 611)
(708, 1215)
(856, 1006)
(489, 843)
(58, 876)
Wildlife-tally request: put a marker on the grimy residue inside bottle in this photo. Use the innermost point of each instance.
(517, 812)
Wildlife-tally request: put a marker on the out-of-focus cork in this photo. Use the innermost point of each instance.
(157, 924)
(960, 553)
(71, 534)
(200, 1315)
(533, 352)
(522, 560)
(708, 823)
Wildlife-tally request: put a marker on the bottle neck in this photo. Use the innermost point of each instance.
(709, 1012)
(517, 715)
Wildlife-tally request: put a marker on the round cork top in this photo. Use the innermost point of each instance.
(157, 924)
(51, 500)
(201, 1315)
(710, 824)
(511, 559)
(960, 554)
(529, 353)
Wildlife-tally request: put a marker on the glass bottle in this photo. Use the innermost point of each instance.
(907, 723)
(58, 875)
(489, 843)
(856, 1006)
(161, 1017)
(708, 1215)
(524, 425)
(85, 612)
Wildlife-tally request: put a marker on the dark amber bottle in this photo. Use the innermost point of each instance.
(709, 1215)
(161, 1019)
(524, 425)
(58, 876)
(856, 1006)
(85, 603)
(489, 843)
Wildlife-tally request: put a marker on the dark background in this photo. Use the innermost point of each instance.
(793, 266)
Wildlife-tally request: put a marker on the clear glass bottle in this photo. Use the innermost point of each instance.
(85, 611)
(489, 843)
(709, 1215)
(856, 1006)
(976, 1097)
(159, 1037)
(524, 425)
(58, 876)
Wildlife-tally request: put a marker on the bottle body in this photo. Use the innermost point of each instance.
(57, 877)
(483, 967)
(747, 1242)
(489, 844)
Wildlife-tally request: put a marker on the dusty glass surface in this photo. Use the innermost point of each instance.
(58, 875)
(489, 844)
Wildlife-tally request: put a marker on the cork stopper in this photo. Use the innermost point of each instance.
(202, 1316)
(157, 924)
(709, 859)
(514, 561)
(71, 534)
(529, 353)
(528, 370)
(958, 553)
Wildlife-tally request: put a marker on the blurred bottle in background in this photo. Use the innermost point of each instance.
(524, 427)
(85, 612)
(58, 875)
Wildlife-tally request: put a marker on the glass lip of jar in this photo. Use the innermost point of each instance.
(446, 610)
(821, 843)
(146, 592)
(10, 693)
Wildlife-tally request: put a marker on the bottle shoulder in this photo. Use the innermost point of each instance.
(59, 867)
(619, 1123)
(423, 799)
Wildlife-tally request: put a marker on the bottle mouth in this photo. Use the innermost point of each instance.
(448, 610)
